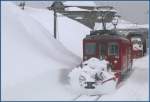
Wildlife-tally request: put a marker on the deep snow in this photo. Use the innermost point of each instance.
(69, 32)
(34, 64)
(136, 87)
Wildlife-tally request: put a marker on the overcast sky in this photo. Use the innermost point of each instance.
(134, 11)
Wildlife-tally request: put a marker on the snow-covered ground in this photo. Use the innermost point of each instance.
(136, 87)
(35, 66)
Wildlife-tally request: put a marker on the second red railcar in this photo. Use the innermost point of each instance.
(138, 44)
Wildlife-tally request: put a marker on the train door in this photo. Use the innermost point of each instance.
(113, 55)
(129, 59)
(125, 60)
(102, 51)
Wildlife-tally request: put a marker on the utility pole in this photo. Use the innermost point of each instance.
(55, 24)
(22, 5)
(57, 6)
(103, 23)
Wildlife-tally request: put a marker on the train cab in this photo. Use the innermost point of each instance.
(111, 47)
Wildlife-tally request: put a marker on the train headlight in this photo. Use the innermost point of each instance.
(115, 61)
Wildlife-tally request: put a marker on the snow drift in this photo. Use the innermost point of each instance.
(69, 32)
(136, 87)
(32, 60)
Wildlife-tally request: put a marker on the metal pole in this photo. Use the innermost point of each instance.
(103, 24)
(55, 26)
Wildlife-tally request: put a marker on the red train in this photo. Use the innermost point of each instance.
(109, 45)
(138, 44)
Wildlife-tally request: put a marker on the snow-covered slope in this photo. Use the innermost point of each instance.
(70, 32)
(33, 62)
(136, 87)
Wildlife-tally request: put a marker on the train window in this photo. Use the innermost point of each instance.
(113, 49)
(90, 48)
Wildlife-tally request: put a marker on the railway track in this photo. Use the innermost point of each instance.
(87, 98)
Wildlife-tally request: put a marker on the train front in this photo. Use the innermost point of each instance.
(112, 48)
(137, 47)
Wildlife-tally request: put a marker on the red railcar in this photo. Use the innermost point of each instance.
(112, 47)
(138, 44)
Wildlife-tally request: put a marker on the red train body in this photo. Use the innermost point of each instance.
(112, 47)
(138, 44)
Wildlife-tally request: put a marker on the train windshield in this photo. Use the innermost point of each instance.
(90, 48)
(113, 49)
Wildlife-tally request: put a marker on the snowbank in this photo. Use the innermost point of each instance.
(70, 32)
(33, 62)
(136, 87)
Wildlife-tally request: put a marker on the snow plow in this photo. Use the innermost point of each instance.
(93, 78)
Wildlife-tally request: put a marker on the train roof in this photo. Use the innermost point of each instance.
(136, 33)
(106, 35)
(139, 32)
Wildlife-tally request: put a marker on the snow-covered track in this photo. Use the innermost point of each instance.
(87, 97)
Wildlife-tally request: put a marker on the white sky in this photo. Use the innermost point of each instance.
(134, 11)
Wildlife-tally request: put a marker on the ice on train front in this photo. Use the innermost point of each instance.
(92, 78)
